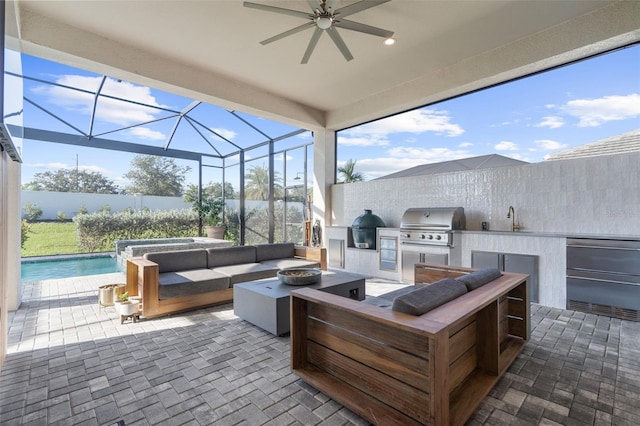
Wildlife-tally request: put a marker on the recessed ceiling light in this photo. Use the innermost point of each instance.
(389, 41)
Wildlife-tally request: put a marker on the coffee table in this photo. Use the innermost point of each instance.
(265, 303)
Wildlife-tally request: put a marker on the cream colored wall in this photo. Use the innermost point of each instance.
(599, 195)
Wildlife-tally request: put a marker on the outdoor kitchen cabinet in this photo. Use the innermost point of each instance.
(510, 262)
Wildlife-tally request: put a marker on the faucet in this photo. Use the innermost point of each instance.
(512, 214)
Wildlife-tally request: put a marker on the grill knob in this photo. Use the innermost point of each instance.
(406, 235)
(422, 236)
(430, 237)
(438, 237)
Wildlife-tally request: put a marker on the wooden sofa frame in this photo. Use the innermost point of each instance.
(142, 280)
(397, 369)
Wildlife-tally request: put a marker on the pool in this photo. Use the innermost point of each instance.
(38, 269)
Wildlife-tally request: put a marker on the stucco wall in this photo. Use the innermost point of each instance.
(599, 195)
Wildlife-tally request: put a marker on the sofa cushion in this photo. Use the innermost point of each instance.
(479, 278)
(189, 283)
(179, 260)
(246, 272)
(274, 251)
(428, 297)
(223, 256)
(289, 263)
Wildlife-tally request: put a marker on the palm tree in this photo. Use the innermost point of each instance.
(349, 174)
(257, 184)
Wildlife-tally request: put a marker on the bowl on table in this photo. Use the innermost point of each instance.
(299, 276)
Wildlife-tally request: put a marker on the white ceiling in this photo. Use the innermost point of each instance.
(210, 50)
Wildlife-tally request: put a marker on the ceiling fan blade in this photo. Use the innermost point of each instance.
(314, 4)
(312, 45)
(283, 11)
(288, 33)
(333, 33)
(331, 5)
(358, 7)
(363, 28)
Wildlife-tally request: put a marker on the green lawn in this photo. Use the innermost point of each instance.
(48, 238)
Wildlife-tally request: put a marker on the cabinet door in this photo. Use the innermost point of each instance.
(484, 259)
(524, 264)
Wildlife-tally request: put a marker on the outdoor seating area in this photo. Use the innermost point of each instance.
(71, 362)
(181, 280)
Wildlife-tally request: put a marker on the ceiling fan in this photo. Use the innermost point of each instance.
(326, 17)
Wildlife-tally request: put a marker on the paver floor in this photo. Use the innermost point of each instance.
(71, 362)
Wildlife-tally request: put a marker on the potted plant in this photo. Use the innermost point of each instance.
(125, 306)
(210, 211)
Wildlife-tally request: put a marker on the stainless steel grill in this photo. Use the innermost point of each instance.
(431, 226)
(426, 235)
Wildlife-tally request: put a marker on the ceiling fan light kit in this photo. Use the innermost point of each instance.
(326, 17)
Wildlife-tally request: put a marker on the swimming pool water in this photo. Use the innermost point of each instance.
(68, 267)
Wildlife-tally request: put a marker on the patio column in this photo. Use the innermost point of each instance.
(324, 171)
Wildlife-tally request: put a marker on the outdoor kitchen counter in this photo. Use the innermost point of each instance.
(527, 233)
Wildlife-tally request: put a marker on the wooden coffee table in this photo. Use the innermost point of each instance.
(265, 303)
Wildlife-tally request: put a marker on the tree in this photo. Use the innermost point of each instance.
(152, 175)
(257, 184)
(72, 180)
(211, 190)
(349, 174)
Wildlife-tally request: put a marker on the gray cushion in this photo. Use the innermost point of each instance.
(479, 278)
(274, 251)
(188, 283)
(246, 272)
(222, 256)
(426, 298)
(290, 263)
(179, 260)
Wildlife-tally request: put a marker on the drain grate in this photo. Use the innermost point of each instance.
(605, 310)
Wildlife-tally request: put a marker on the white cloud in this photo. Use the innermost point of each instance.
(465, 145)
(225, 133)
(505, 146)
(416, 122)
(362, 141)
(402, 158)
(550, 145)
(146, 133)
(552, 122)
(109, 110)
(594, 112)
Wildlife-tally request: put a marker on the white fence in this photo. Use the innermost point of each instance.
(51, 203)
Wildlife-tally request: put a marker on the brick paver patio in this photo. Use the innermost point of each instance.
(71, 362)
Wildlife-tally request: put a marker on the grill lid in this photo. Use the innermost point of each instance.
(434, 218)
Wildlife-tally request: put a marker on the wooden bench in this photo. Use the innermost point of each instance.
(396, 369)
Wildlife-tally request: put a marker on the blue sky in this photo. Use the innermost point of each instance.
(526, 119)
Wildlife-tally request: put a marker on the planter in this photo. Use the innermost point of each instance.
(127, 308)
(216, 232)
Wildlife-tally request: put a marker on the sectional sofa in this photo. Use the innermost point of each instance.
(180, 280)
(424, 355)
